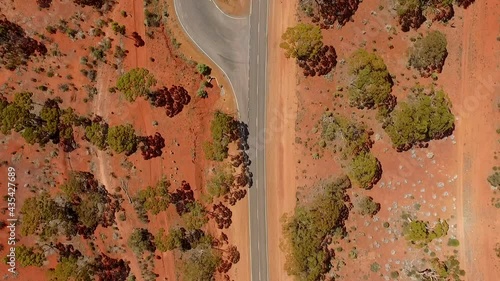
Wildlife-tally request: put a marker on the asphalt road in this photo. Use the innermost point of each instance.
(239, 47)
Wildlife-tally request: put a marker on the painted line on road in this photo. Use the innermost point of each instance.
(203, 51)
(227, 15)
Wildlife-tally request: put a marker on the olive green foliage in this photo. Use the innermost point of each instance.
(37, 213)
(168, 242)
(453, 242)
(97, 133)
(196, 216)
(365, 170)
(355, 136)
(141, 240)
(494, 179)
(407, 6)
(224, 130)
(16, 115)
(429, 53)
(372, 85)
(419, 233)
(439, 270)
(122, 138)
(70, 268)
(136, 83)
(200, 264)
(221, 182)
(180, 239)
(422, 118)
(152, 19)
(368, 207)
(203, 69)
(155, 198)
(118, 29)
(306, 228)
(88, 200)
(302, 41)
(29, 256)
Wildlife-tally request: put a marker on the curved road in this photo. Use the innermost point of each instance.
(239, 47)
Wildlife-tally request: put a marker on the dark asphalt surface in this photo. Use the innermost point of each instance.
(239, 47)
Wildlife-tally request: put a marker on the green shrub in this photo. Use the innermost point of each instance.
(453, 242)
(204, 69)
(371, 86)
(306, 228)
(365, 170)
(135, 83)
(367, 206)
(429, 53)
(302, 41)
(422, 118)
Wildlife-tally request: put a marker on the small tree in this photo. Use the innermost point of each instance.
(29, 256)
(204, 69)
(195, 217)
(136, 83)
(494, 179)
(422, 118)
(365, 170)
(97, 133)
(200, 264)
(221, 182)
(368, 207)
(302, 41)
(429, 53)
(141, 240)
(122, 138)
(173, 240)
(372, 85)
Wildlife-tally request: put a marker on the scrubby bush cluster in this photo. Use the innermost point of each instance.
(423, 117)
(51, 124)
(304, 42)
(310, 226)
(412, 13)
(429, 53)
(136, 83)
(419, 232)
(17, 48)
(327, 12)
(225, 129)
(79, 209)
(372, 84)
(355, 140)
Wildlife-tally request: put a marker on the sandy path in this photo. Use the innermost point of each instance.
(281, 112)
(478, 119)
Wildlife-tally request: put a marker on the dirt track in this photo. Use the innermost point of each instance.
(478, 119)
(281, 112)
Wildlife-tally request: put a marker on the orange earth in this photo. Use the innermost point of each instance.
(447, 180)
(183, 158)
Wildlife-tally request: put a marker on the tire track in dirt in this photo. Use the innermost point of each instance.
(476, 219)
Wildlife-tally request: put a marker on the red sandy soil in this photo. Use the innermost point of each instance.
(238, 8)
(281, 114)
(238, 233)
(478, 120)
(429, 188)
(183, 158)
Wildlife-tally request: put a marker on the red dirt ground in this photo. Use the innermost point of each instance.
(183, 158)
(429, 188)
